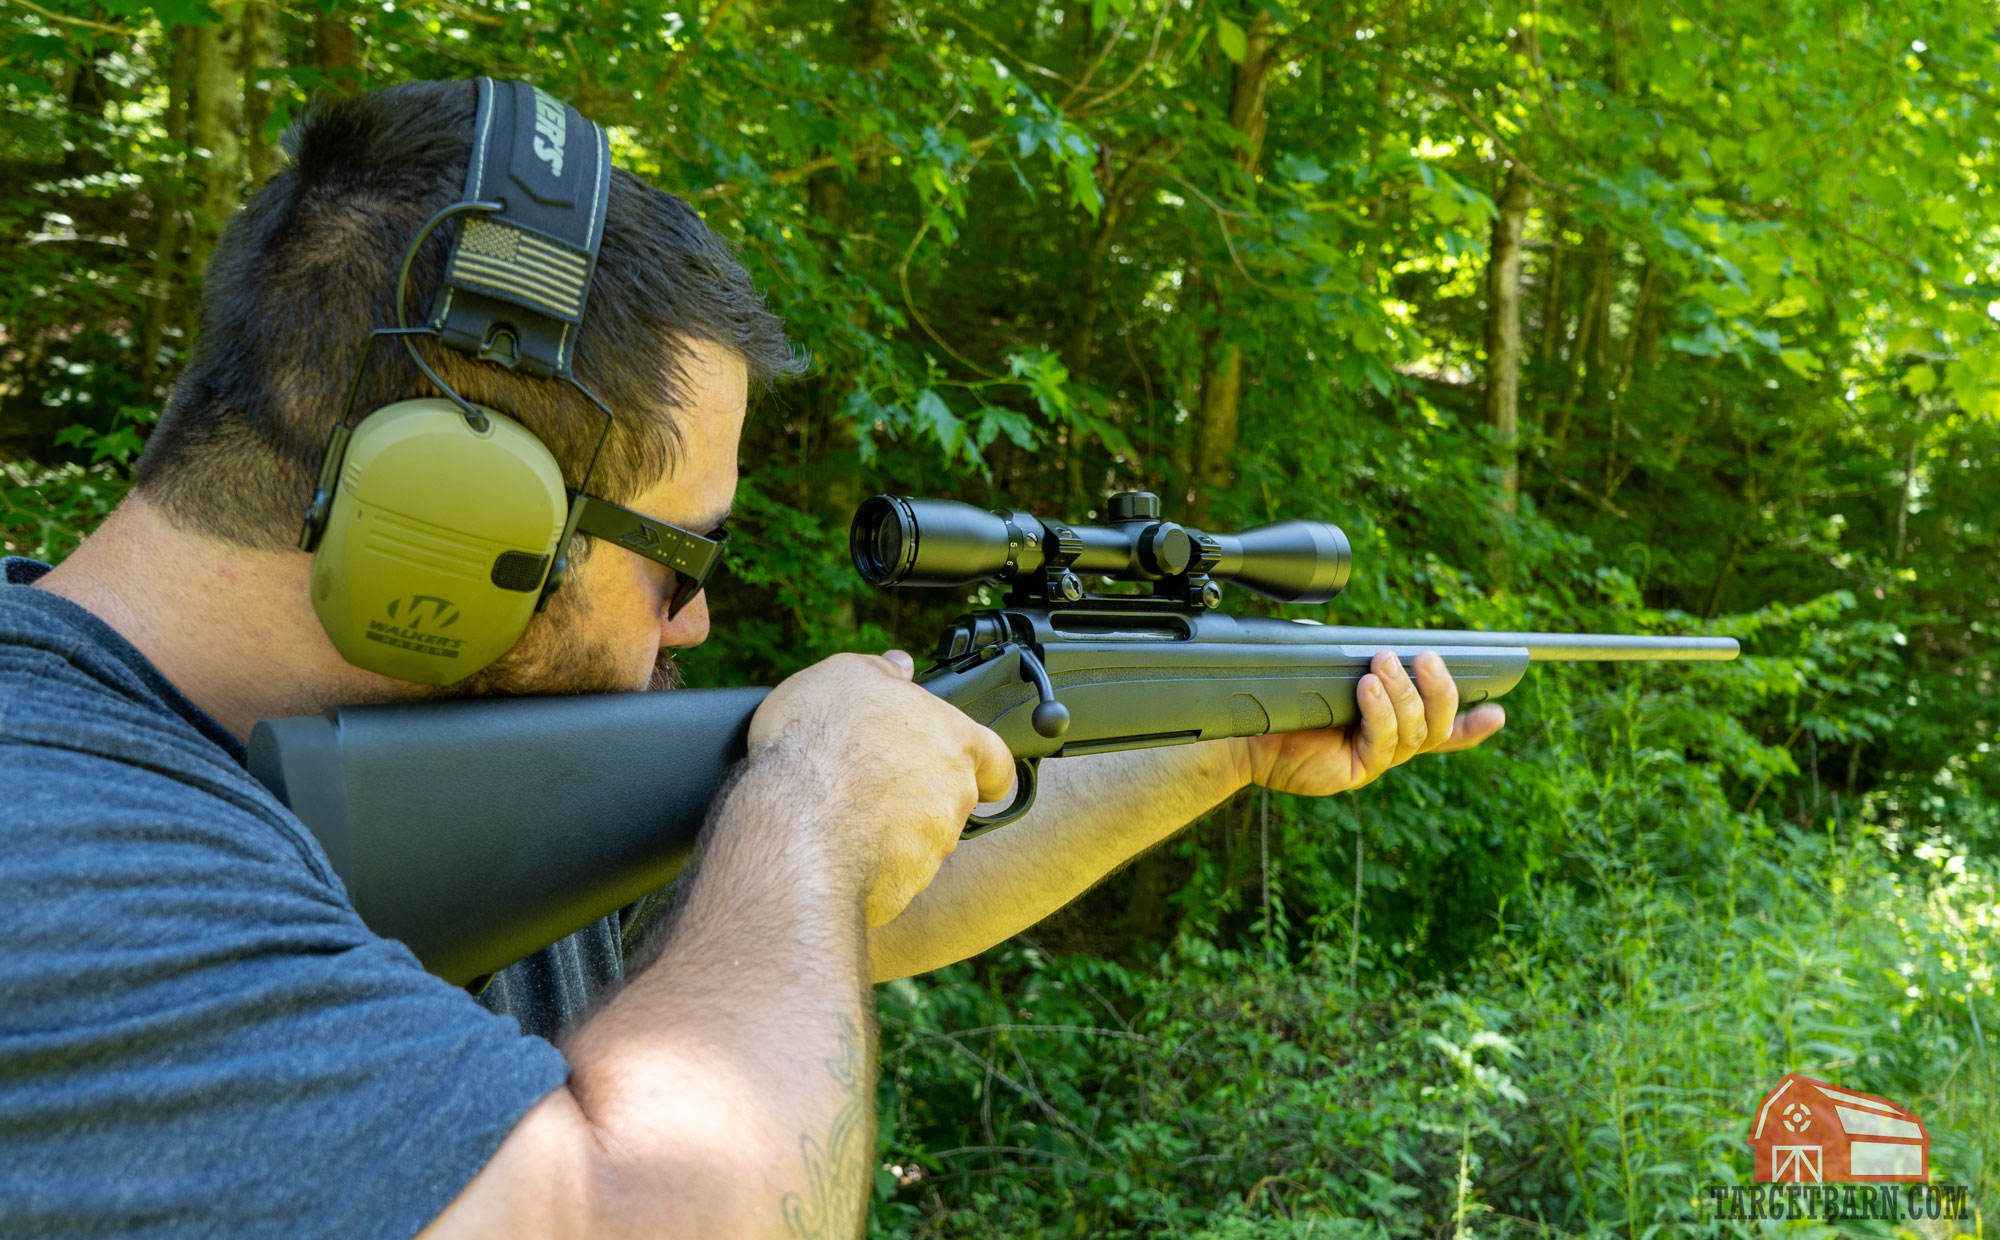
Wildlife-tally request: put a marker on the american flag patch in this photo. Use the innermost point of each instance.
(497, 258)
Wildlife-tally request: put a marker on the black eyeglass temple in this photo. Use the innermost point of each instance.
(693, 557)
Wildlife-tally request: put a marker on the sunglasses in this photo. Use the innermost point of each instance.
(693, 557)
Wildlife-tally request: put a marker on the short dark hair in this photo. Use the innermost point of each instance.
(308, 268)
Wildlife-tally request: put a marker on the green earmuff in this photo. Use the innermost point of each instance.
(438, 541)
(438, 526)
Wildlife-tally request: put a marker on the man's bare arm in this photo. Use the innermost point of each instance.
(1095, 813)
(728, 1090)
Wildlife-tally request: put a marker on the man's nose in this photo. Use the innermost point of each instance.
(690, 627)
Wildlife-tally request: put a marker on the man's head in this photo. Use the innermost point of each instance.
(674, 338)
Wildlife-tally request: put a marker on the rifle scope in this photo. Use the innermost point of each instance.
(897, 540)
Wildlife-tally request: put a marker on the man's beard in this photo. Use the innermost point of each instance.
(555, 658)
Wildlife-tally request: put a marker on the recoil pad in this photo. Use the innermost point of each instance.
(438, 541)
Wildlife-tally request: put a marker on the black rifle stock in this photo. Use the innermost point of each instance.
(478, 832)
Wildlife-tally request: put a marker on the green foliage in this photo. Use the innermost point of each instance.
(46, 509)
(1590, 1072)
(1530, 989)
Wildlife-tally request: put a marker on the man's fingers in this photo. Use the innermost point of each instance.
(1412, 731)
(1375, 749)
(993, 765)
(1440, 693)
(1474, 726)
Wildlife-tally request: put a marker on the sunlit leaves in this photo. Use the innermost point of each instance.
(1231, 38)
(1302, 171)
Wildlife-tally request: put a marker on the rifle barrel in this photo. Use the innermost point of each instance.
(1542, 647)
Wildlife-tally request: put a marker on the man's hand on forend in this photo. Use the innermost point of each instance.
(1399, 720)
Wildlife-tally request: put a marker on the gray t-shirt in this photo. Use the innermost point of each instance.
(198, 1036)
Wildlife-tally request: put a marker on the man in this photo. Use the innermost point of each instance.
(198, 1035)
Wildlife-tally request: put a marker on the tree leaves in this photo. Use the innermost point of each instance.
(1231, 38)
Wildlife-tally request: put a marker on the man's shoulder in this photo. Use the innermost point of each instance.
(63, 687)
(40, 642)
(57, 658)
(93, 736)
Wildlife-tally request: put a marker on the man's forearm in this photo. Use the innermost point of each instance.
(760, 982)
(728, 1088)
(1092, 815)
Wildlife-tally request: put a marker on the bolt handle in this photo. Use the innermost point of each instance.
(1051, 718)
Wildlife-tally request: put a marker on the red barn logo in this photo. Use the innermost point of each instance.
(1808, 1132)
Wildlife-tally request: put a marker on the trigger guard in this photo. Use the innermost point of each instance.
(1024, 800)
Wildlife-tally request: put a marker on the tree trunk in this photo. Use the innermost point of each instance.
(163, 288)
(1215, 429)
(215, 127)
(337, 52)
(871, 56)
(1503, 337)
(1246, 91)
(1553, 313)
(260, 50)
(1591, 348)
(89, 92)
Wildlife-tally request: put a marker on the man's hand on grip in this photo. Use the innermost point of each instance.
(894, 770)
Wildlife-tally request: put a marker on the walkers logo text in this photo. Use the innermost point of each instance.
(418, 623)
(551, 128)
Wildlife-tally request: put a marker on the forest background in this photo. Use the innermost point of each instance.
(1575, 314)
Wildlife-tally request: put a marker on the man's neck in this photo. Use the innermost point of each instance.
(231, 627)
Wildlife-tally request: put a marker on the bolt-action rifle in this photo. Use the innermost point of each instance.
(478, 832)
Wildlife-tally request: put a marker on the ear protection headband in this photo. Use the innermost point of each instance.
(439, 527)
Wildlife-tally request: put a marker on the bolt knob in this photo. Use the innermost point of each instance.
(1051, 719)
(1135, 506)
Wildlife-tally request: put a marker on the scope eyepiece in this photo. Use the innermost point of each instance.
(896, 540)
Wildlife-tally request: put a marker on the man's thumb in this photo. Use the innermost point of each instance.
(904, 663)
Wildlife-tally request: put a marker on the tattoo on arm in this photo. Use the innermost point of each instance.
(835, 1203)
